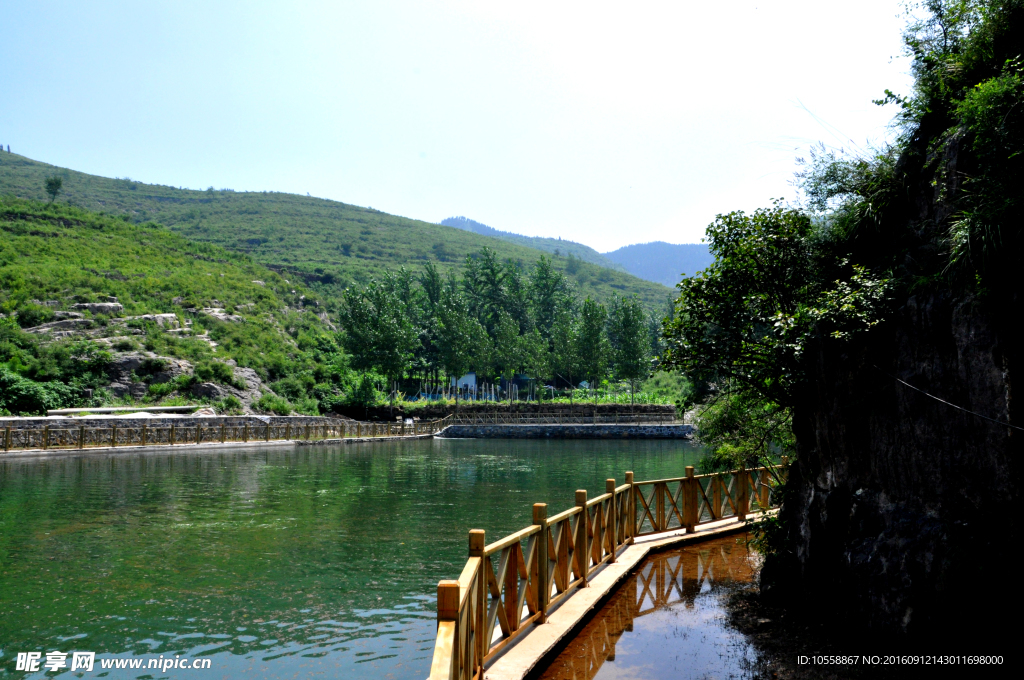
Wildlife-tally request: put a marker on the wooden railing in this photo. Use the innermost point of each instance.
(514, 582)
(560, 419)
(143, 434)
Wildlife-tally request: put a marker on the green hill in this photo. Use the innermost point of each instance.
(74, 284)
(327, 243)
(555, 246)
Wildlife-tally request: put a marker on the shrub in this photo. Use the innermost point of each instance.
(20, 395)
(273, 403)
(229, 405)
(30, 316)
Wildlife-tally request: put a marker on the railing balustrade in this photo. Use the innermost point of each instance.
(537, 568)
(133, 434)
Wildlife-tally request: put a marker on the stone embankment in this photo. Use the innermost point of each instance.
(575, 431)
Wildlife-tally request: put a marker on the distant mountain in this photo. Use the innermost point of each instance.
(661, 262)
(555, 246)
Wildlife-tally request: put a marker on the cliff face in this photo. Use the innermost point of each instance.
(900, 507)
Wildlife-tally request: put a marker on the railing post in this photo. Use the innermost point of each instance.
(81, 437)
(540, 575)
(288, 430)
(763, 497)
(690, 501)
(222, 433)
(7, 438)
(612, 520)
(660, 491)
(630, 508)
(582, 551)
(143, 435)
(742, 499)
(46, 436)
(477, 541)
(199, 434)
(716, 496)
(266, 433)
(113, 436)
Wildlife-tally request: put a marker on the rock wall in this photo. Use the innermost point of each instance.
(898, 504)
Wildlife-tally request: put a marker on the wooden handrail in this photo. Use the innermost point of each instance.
(566, 549)
(510, 539)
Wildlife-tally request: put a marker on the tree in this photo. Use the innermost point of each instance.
(548, 288)
(593, 341)
(631, 342)
(379, 332)
(53, 186)
(565, 358)
(460, 337)
(509, 353)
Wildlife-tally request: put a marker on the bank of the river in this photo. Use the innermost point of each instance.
(555, 431)
(274, 562)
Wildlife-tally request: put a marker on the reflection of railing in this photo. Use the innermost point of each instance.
(142, 434)
(563, 551)
(498, 418)
(664, 580)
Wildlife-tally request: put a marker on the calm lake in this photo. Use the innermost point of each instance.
(275, 562)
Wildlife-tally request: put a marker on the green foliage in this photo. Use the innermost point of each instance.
(62, 253)
(326, 244)
(742, 429)
(748, 317)
(21, 396)
(53, 186)
(30, 315)
(379, 330)
(271, 403)
(630, 341)
(593, 341)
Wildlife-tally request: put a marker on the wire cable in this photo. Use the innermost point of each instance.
(959, 408)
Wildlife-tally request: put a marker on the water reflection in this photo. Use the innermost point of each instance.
(312, 562)
(668, 620)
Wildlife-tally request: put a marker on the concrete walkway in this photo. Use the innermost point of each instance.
(537, 648)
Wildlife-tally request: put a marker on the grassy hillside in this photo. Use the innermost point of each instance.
(555, 246)
(662, 262)
(53, 257)
(328, 244)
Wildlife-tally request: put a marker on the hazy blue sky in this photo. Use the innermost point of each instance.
(607, 124)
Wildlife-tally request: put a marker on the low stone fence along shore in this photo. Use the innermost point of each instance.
(100, 432)
(572, 431)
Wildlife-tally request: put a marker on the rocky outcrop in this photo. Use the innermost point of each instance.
(100, 307)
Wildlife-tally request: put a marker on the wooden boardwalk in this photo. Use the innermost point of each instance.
(559, 568)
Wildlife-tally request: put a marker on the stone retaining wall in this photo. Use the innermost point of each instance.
(567, 432)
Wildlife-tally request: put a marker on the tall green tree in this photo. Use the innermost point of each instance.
(461, 339)
(509, 353)
(565, 342)
(378, 330)
(548, 289)
(593, 341)
(630, 341)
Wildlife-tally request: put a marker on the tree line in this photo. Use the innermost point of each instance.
(498, 320)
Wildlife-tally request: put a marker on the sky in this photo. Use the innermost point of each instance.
(602, 123)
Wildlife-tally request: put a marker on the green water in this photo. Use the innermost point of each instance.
(305, 562)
